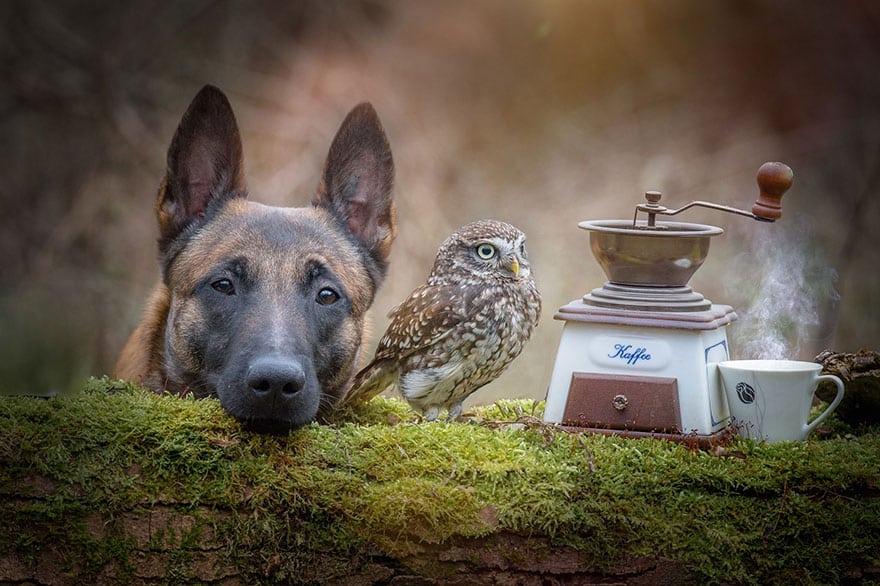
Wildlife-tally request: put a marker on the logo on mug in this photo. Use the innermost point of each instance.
(745, 393)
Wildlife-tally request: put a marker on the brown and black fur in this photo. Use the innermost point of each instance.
(260, 306)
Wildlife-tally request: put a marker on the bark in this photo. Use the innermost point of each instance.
(160, 548)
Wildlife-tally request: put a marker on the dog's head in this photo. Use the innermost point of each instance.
(267, 304)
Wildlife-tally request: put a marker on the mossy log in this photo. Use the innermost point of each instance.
(117, 485)
(860, 372)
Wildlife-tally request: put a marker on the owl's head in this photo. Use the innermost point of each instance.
(483, 249)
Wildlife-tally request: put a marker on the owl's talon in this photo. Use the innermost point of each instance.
(431, 414)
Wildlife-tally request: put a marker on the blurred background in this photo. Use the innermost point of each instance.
(538, 112)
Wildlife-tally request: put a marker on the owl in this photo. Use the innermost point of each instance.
(462, 327)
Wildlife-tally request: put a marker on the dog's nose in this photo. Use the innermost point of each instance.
(275, 376)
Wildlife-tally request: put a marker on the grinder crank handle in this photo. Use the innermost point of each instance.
(774, 179)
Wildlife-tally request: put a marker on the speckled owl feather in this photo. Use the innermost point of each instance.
(460, 329)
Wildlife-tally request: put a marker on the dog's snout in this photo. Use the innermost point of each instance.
(273, 394)
(275, 376)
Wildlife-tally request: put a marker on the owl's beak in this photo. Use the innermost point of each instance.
(514, 267)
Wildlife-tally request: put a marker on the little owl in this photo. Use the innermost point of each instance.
(462, 328)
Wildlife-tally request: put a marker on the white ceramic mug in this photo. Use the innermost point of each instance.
(770, 399)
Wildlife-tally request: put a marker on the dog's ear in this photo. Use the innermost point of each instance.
(204, 164)
(357, 182)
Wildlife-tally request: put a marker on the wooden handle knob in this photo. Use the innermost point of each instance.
(774, 179)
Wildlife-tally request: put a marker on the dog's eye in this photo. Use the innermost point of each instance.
(224, 286)
(327, 296)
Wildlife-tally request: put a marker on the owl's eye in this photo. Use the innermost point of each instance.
(485, 251)
(224, 286)
(327, 296)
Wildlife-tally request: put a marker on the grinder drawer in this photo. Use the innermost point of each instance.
(619, 401)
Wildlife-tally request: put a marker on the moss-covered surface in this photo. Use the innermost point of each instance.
(118, 484)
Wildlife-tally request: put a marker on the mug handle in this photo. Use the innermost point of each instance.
(837, 399)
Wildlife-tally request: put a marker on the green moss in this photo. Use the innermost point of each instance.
(317, 502)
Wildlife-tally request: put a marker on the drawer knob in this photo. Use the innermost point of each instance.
(619, 402)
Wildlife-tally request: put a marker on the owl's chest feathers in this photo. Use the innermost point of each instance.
(496, 326)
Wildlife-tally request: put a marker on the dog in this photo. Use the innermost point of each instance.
(263, 307)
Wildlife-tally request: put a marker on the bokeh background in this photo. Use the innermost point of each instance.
(538, 112)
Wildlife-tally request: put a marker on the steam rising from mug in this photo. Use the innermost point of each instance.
(790, 299)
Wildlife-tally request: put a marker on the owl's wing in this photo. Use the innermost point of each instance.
(426, 317)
